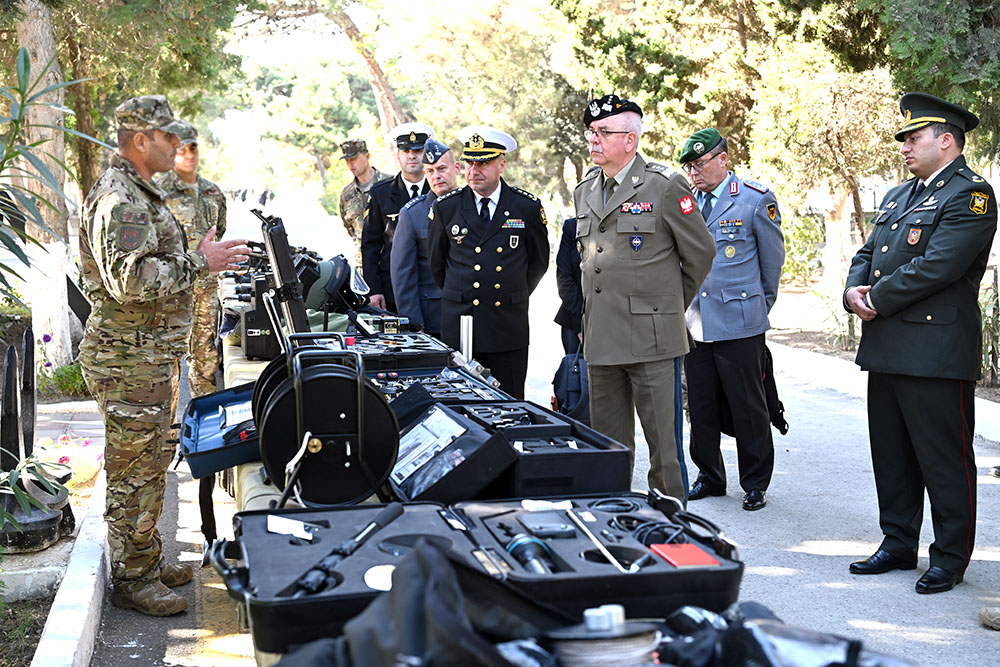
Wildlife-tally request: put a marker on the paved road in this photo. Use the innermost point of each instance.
(821, 515)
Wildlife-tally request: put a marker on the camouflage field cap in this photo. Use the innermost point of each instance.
(147, 112)
(353, 147)
(188, 134)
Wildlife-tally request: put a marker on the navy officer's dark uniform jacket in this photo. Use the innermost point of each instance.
(385, 199)
(487, 273)
(925, 260)
(418, 297)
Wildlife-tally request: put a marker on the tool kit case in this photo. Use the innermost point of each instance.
(217, 431)
(534, 545)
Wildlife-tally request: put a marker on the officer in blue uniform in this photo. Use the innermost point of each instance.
(488, 249)
(384, 201)
(418, 297)
(915, 285)
(728, 318)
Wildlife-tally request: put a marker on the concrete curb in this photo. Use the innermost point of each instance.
(71, 629)
(66, 407)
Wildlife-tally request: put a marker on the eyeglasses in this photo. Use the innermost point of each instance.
(698, 167)
(602, 134)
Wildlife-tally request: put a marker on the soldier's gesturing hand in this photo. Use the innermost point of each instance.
(222, 255)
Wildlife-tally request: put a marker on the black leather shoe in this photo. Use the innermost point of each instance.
(880, 562)
(701, 490)
(995, 471)
(754, 500)
(937, 580)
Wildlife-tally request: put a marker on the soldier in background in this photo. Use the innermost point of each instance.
(354, 197)
(387, 197)
(199, 205)
(138, 274)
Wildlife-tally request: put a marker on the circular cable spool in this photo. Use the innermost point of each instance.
(273, 374)
(332, 474)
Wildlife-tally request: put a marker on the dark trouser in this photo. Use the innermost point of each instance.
(653, 390)
(510, 368)
(732, 372)
(570, 339)
(921, 432)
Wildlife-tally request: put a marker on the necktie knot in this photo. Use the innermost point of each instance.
(484, 209)
(414, 190)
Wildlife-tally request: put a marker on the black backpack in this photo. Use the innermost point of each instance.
(571, 388)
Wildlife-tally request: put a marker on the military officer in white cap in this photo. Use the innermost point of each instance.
(385, 200)
(488, 249)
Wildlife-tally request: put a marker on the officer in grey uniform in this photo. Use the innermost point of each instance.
(915, 285)
(645, 250)
(728, 318)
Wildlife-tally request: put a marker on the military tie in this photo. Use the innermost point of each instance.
(484, 211)
(414, 190)
(916, 194)
(706, 208)
(609, 189)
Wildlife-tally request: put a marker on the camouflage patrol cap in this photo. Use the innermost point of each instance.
(147, 112)
(353, 147)
(188, 134)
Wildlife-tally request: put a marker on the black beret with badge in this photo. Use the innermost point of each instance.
(699, 143)
(609, 105)
(920, 110)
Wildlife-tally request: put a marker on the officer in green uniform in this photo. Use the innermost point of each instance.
(138, 274)
(354, 197)
(198, 204)
(915, 285)
(645, 250)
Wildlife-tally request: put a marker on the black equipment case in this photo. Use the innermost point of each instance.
(536, 546)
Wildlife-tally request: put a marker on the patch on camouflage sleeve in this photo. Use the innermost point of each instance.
(131, 237)
(130, 214)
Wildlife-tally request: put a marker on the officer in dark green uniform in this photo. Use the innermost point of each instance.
(915, 285)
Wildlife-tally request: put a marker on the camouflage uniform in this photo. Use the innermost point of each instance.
(197, 207)
(353, 202)
(138, 275)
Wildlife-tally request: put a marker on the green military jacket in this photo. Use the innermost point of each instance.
(925, 261)
(137, 273)
(197, 206)
(643, 256)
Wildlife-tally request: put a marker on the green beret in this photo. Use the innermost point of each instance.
(699, 143)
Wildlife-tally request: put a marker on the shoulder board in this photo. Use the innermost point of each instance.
(213, 191)
(656, 167)
(759, 187)
(971, 175)
(382, 185)
(590, 175)
(524, 193)
(449, 194)
(412, 202)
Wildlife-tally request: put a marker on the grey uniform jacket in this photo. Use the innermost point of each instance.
(739, 292)
(643, 256)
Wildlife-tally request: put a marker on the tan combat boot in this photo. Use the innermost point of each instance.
(175, 574)
(153, 599)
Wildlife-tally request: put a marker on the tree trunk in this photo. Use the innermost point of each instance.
(88, 165)
(390, 114)
(47, 289)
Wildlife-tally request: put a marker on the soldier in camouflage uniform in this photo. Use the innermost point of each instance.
(138, 274)
(198, 205)
(354, 198)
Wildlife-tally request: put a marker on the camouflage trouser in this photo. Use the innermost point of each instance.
(135, 402)
(203, 357)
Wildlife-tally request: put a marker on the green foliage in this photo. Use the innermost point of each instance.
(841, 330)
(21, 169)
(803, 236)
(989, 304)
(65, 380)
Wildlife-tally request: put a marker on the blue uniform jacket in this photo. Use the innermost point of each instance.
(739, 291)
(418, 297)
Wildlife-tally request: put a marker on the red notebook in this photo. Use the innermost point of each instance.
(684, 555)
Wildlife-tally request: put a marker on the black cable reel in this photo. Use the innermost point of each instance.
(327, 434)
